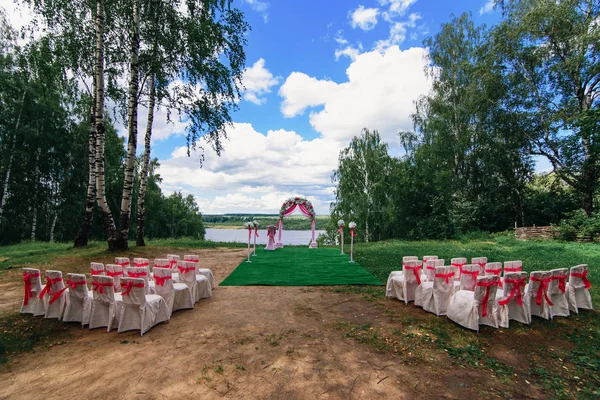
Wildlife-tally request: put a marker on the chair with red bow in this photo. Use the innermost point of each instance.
(79, 300)
(173, 258)
(405, 285)
(495, 268)
(388, 286)
(115, 271)
(557, 291)
(429, 258)
(106, 304)
(177, 295)
(468, 277)
(513, 266)
(512, 306)
(434, 295)
(578, 289)
(201, 271)
(96, 268)
(459, 263)
(536, 293)
(123, 262)
(429, 266)
(140, 310)
(53, 295)
(481, 261)
(143, 273)
(33, 288)
(199, 285)
(473, 308)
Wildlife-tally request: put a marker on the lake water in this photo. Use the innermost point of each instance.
(241, 236)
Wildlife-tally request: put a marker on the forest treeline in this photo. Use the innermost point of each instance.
(295, 223)
(527, 87)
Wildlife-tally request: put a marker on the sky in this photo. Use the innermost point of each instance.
(318, 72)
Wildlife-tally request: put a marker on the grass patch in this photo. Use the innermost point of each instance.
(370, 293)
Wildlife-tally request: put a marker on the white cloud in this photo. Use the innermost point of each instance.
(398, 32)
(488, 7)
(349, 51)
(379, 94)
(364, 18)
(260, 7)
(396, 7)
(258, 81)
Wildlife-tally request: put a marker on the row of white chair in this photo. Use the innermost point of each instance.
(482, 296)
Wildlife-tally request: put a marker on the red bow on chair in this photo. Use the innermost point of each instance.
(113, 274)
(184, 270)
(27, 279)
(160, 280)
(584, 278)
(128, 286)
(459, 266)
(542, 290)
(136, 274)
(97, 272)
(415, 270)
(172, 262)
(98, 287)
(70, 284)
(445, 276)
(516, 290)
(48, 287)
(561, 282)
(486, 298)
(142, 264)
(495, 272)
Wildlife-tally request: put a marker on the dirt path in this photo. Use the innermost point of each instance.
(245, 342)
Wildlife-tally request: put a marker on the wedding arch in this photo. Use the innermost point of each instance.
(305, 207)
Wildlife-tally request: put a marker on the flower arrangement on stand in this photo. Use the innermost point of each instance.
(255, 224)
(352, 226)
(341, 224)
(249, 225)
(296, 200)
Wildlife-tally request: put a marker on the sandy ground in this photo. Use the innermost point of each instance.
(245, 342)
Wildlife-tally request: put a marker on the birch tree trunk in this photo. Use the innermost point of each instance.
(125, 216)
(141, 209)
(35, 179)
(109, 223)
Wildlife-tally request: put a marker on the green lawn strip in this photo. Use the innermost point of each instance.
(300, 266)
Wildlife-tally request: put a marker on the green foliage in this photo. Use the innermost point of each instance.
(579, 226)
(292, 223)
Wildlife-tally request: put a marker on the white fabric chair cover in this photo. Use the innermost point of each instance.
(199, 286)
(481, 261)
(434, 295)
(115, 271)
(471, 309)
(96, 268)
(388, 286)
(404, 286)
(429, 268)
(53, 295)
(173, 258)
(106, 304)
(177, 295)
(459, 263)
(141, 262)
(123, 262)
(33, 287)
(557, 291)
(140, 310)
(513, 266)
(201, 271)
(495, 268)
(578, 289)
(537, 294)
(79, 300)
(513, 305)
(143, 273)
(468, 278)
(428, 258)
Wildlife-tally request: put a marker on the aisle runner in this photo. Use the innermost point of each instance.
(299, 266)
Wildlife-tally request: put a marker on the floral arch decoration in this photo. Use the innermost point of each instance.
(305, 207)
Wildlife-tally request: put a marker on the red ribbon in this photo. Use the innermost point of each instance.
(160, 280)
(482, 264)
(352, 233)
(123, 263)
(341, 229)
(128, 287)
(48, 287)
(113, 274)
(97, 272)
(27, 279)
(584, 278)
(97, 286)
(495, 272)
(518, 283)
(193, 259)
(132, 274)
(70, 284)
(184, 270)
(486, 298)
(512, 269)
(459, 266)
(172, 262)
(416, 272)
(542, 290)
(561, 282)
(445, 276)
(430, 267)
(142, 264)
(474, 274)
(255, 232)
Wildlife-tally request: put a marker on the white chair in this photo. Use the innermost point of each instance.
(96, 268)
(459, 263)
(79, 301)
(471, 309)
(557, 291)
(53, 295)
(122, 261)
(495, 268)
(481, 261)
(199, 286)
(429, 268)
(404, 286)
(513, 266)
(143, 273)
(434, 295)
(468, 278)
(512, 305)
(115, 271)
(106, 304)
(578, 289)
(388, 287)
(177, 295)
(429, 258)
(140, 310)
(173, 258)
(201, 271)
(165, 263)
(537, 294)
(33, 288)
(141, 262)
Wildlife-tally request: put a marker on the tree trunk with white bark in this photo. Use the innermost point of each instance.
(141, 210)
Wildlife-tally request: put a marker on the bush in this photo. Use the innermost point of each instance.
(578, 226)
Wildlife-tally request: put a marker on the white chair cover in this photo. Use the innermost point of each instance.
(495, 268)
(513, 305)
(388, 287)
(513, 266)
(33, 287)
(140, 310)
(557, 291)
(537, 294)
(481, 261)
(434, 295)
(141, 262)
(123, 262)
(106, 304)
(115, 271)
(199, 286)
(173, 258)
(53, 295)
(96, 268)
(468, 278)
(471, 309)
(79, 300)
(177, 295)
(143, 273)
(578, 289)
(404, 286)
(201, 271)
(428, 258)
(429, 268)
(459, 263)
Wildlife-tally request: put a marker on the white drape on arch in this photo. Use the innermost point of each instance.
(307, 214)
